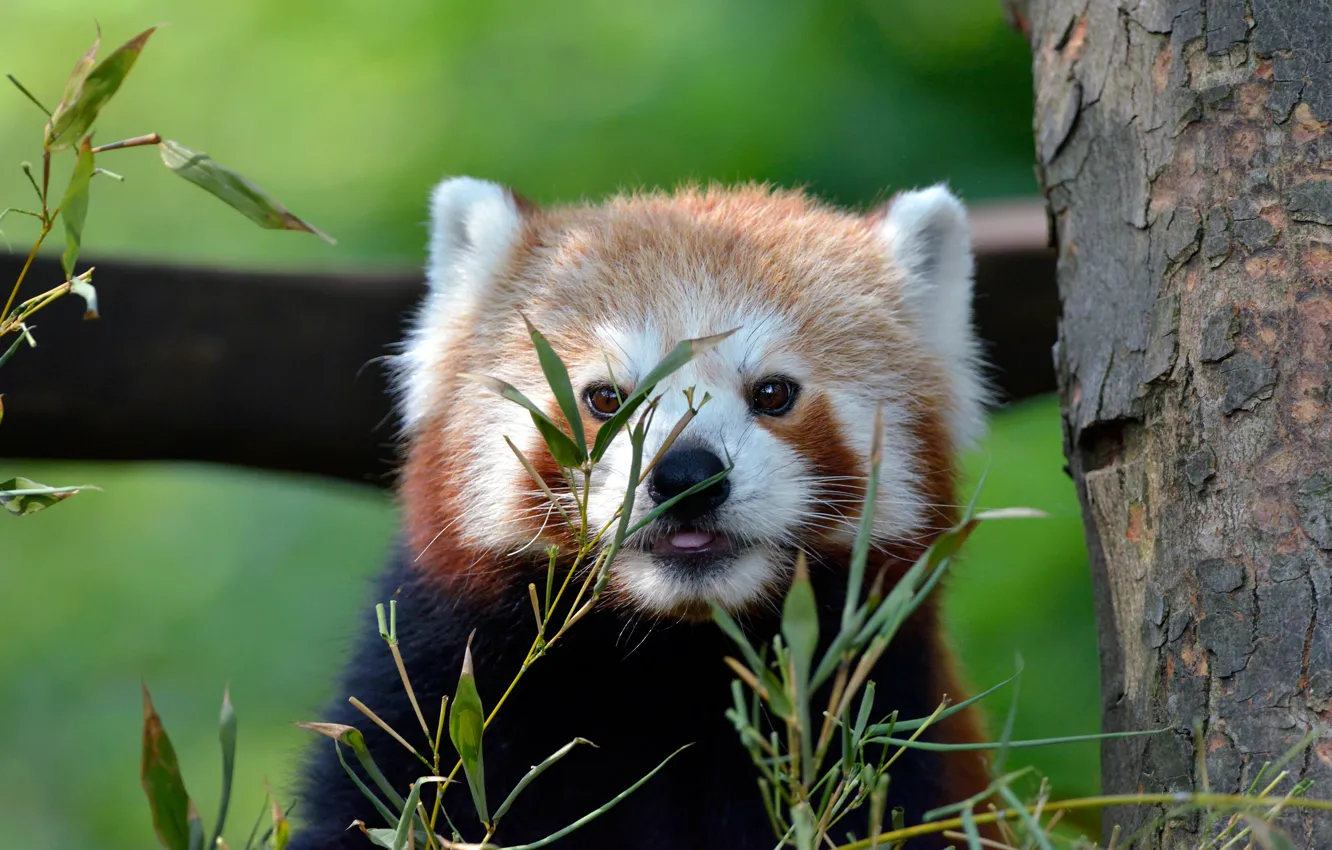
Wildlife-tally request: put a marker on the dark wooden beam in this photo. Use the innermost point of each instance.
(280, 371)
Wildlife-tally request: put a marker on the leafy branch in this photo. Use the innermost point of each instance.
(69, 128)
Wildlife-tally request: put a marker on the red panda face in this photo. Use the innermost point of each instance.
(835, 315)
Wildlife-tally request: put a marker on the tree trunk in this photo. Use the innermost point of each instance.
(1184, 149)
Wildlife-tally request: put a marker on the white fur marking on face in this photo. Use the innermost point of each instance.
(928, 237)
(474, 224)
(776, 503)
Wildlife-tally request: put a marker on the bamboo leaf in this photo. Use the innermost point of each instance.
(408, 816)
(671, 363)
(227, 737)
(561, 445)
(800, 628)
(281, 828)
(537, 771)
(384, 811)
(352, 737)
(160, 775)
(74, 207)
(593, 815)
(1030, 743)
(466, 725)
(557, 376)
(196, 829)
(23, 496)
(84, 99)
(860, 550)
(234, 190)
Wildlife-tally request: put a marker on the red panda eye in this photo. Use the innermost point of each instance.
(774, 396)
(603, 400)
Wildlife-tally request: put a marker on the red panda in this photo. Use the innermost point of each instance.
(838, 314)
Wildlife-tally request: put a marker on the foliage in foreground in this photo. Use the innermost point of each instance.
(69, 130)
(823, 763)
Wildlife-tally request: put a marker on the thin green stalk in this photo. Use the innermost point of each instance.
(1103, 801)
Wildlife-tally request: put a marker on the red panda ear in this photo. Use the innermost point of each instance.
(929, 240)
(474, 225)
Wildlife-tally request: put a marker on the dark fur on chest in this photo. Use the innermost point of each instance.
(639, 689)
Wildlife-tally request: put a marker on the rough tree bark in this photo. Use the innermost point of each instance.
(1184, 149)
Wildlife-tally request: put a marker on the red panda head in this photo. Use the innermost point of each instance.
(837, 315)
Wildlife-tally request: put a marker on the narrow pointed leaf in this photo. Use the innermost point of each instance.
(409, 816)
(776, 696)
(466, 725)
(561, 445)
(73, 116)
(74, 208)
(233, 189)
(82, 69)
(535, 772)
(162, 782)
(911, 725)
(671, 363)
(352, 737)
(22, 496)
(800, 628)
(1025, 744)
(370, 795)
(227, 737)
(860, 551)
(281, 828)
(196, 829)
(13, 347)
(591, 816)
(557, 377)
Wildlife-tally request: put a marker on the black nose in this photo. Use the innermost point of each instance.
(682, 468)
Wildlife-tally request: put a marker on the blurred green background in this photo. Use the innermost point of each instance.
(190, 577)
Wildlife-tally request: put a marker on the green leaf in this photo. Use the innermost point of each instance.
(13, 347)
(162, 782)
(593, 815)
(910, 725)
(74, 208)
(878, 802)
(383, 810)
(557, 376)
(800, 627)
(1267, 835)
(561, 445)
(82, 69)
(776, 696)
(409, 812)
(13, 79)
(352, 737)
(281, 829)
(227, 736)
(1030, 743)
(860, 551)
(467, 721)
(535, 772)
(84, 99)
(671, 363)
(233, 190)
(22, 496)
(196, 829)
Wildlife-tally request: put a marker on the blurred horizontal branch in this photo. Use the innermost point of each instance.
(281, 371)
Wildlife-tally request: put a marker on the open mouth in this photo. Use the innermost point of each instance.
(690, 543)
